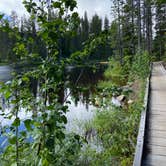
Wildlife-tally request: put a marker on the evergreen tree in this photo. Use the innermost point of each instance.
(96, 25)
(134, 26)
(118, 12)
(106, 24)
(85, 27)
(7, 38)
(160, 36)
(148, 20)
(129, 36)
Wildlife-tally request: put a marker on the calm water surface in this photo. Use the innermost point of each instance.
(80, 109)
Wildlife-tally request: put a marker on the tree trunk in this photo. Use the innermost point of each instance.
(139, 24)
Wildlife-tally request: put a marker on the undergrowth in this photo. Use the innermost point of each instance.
(117, 127)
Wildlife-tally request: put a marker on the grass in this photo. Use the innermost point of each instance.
(117, 128)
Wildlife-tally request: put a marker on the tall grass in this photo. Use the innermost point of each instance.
(117, 128)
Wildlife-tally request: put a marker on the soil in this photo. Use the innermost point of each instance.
(136, 87)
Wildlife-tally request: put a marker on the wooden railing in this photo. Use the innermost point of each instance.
(142, 126)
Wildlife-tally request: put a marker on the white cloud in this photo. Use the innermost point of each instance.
(6, 6)
(101, 7)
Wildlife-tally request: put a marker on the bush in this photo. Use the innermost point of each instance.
(117, 128)
(140, 66)
(115, 73)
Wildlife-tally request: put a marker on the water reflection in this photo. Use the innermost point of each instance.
(78, 114)
(5, 73)
(82, 83)
(82, 89)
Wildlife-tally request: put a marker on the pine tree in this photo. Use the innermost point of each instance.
(128, 28)
(118, 5)
(96, 25)
(148, 18)
(85, 27)
(106, 24)
(139, 24)
(160, 36)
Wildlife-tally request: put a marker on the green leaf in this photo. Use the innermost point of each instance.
(16, 122)
(64, 119)
(23, 133)
(50, 107)
(60, 135)
(75, 15)
(7, 95)
(73, 5)
(13, 140)
(45, 162)
(25, 78)
(14, 101)
(1, 16)
(77, 137)
(19, 82)
(28, 123)
(14, 164)
(56, 4)
(65, 108)
(34, 4)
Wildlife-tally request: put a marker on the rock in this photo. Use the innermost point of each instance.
(121, 98)
(126, 87)
(130, 101)
(90, 103)
(97, 102)
(115, 101)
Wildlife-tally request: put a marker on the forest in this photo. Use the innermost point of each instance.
(69, 43)
(55, 38)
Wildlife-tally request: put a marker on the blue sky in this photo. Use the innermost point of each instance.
(101, 7)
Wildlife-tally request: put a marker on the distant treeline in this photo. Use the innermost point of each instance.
(137, 25)
(67, 44)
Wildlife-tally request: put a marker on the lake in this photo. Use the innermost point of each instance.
(82, 87)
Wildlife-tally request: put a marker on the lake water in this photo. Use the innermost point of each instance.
(80, 109)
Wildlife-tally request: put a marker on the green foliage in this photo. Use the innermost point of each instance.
(140, 66)
(117, 127)
(50, 145)
(159, 44)
(107, 84)
(116, 132)
(1, 16)
(115, 73)
(96, 25)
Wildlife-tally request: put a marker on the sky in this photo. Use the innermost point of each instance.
(101, 7)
